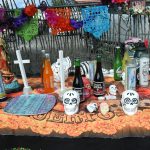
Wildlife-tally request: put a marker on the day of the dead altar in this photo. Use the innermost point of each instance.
(55, 123)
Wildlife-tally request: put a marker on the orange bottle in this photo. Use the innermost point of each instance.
(48, 78)
(42, 65)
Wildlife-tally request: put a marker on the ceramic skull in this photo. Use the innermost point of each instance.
(130, 102)
(56, 68)
(112, 89)
(92, 107)
(71, 100)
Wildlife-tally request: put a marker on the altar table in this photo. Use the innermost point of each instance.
(115, 124)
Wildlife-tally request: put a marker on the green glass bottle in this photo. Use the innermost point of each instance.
(118, 65)
(98, 83)
(78, 82)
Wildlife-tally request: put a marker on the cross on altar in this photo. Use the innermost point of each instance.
(27, 89)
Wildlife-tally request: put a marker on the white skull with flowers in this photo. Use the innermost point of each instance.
(71, 100)
(130, 102)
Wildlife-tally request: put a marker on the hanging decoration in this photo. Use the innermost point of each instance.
(96, 20)
(29, 29)
(137, 7)
(43, 6)
(19, 21)
(76, 24)
(2, 14)
(30, 10)
(120, 1)
(59, 20)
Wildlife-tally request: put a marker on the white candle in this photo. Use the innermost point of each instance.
(61, 70)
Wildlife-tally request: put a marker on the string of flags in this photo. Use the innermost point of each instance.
(94, 19)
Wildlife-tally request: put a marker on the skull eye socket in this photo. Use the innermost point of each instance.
(135, 101)
(66, 101)
(74, 100)
(127, 100)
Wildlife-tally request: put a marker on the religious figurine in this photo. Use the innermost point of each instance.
(10, 82)
(112, 92)
(104, 108)
(92, 107)
(87, 87)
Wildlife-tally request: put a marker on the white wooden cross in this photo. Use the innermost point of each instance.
(62, 78)
(27, 89)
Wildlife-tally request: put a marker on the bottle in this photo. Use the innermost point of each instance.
(130, 75)
(78, 82)
(144, 70)
(117, 65)
(98, 83)
(42, 65)
(48, 78)
(2, 90)
(140, 49)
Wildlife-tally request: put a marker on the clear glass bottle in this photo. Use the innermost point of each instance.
(144, 70)
(130, 75)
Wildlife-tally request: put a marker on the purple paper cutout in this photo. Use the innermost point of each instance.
(2, 14)
(76, 24)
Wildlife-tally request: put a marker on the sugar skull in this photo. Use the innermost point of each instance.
(56, 68)
(92, 107)
(71, 100)
(130, 102)
(112, 90)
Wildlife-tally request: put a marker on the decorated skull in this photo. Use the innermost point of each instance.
(130, 102)
(92, 107)
(71, 100)
(112, 89)
(56, 68)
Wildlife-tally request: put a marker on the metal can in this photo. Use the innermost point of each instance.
(2, 89)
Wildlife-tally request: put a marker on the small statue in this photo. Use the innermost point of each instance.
(112, 92)
(10, 82)
(92, 107)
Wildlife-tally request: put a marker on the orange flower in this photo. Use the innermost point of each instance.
(30, 10)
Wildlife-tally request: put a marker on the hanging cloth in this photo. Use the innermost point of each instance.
(2, 14)
(58, 20)
(96, 20)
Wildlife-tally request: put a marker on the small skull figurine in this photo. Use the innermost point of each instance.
(71, 100)
(130, 102)
(92, 107)
(112, 90)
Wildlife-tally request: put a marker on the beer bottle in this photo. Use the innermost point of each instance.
(48, 78)
(117, 64)
(78, 82)
(98, 83)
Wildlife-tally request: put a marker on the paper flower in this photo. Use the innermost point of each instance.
(30, 10)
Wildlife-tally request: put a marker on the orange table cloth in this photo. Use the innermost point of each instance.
(55, 123)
